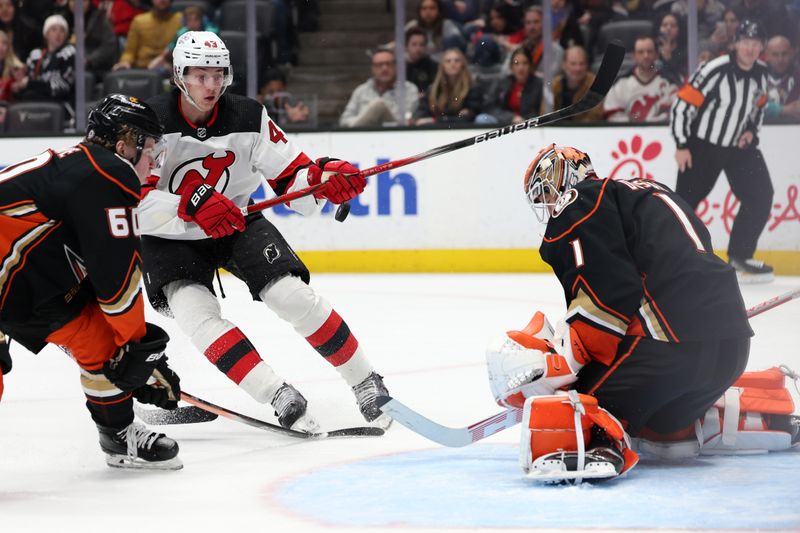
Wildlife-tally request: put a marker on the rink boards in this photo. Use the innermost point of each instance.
(465, 212)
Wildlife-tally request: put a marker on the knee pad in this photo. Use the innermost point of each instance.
(297, 303)
(567, 437)
(197, 312)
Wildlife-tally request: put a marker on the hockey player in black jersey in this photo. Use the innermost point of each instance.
(655, 329)
(219, 146)
(71, 273)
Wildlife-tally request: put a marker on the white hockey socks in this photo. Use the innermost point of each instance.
(314, 318)
(198, 314)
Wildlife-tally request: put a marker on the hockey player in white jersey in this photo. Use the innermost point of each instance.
(218, 147)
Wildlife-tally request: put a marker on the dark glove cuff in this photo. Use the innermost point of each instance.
(197, 198)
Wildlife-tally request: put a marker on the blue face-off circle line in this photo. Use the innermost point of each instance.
(481, 486)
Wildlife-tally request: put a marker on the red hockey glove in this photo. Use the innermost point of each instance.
(343, 181)
(212, 211)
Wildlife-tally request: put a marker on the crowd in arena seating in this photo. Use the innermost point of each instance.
(467, 61)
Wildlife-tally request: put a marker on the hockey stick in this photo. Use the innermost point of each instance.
(457, 437)
(773, 302)
(201, 409)
(606, 75)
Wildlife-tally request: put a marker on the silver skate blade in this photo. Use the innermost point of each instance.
(124, 462)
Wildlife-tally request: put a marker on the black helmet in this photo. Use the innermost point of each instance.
(751, 29)
(115, 111)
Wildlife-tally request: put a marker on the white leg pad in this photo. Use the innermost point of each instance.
(297, 303)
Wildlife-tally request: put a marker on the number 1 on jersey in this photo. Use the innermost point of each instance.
(577, 251)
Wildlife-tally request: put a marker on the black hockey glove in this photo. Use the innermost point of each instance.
(5, 356)
(135, 362)
(165, 392)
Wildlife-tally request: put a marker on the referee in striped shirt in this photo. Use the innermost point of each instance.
(715, 122)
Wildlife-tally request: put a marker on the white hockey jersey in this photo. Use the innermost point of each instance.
(238, 145)
(631, 100)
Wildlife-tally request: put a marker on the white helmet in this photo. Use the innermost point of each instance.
(200, 49)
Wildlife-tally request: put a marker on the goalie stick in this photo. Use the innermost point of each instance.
(458, 437)
(204, 411)
(606, 75)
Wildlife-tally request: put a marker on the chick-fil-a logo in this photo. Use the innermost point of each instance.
(783, 212)
(631, 159)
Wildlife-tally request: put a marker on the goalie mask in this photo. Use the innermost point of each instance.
(553, 171)
(202, 49)
(116, 114)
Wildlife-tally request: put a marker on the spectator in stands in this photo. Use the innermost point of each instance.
(284, 108)
(100, 41)
(461, 12)
(452, 97)
(24, 32)
(11, 68)
(672, 62)
(492, 40)
(783, 80)
(533, 41)
(516, 97)
(573, 82)
(642, 95)
(565, 17)
(149, 34)
(442, 33)
(51, 70)
(420, 68)
(194, 19)
(724, 36)
(373, 103)
(121, 16)
(709, 12)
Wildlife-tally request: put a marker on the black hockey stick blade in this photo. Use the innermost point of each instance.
(359, 431)
(181, 415)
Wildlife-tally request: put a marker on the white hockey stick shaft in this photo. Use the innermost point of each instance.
(457, 437)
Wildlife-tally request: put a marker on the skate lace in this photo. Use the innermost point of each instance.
(369, 389)
(754, 262)
(135, 434)
(284, 398)
(791, 374)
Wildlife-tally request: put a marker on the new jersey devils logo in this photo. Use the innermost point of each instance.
(271, 252)
(210, 169)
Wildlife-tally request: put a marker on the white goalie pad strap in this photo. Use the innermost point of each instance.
(730, 424)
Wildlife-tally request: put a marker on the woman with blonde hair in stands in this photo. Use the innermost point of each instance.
(452, 97)
(11, 68)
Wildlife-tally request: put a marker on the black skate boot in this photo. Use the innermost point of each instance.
(290, 408)
(751, 270)
(366, 393)
(136, 447)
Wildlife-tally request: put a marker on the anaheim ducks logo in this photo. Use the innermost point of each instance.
(569, 196)
(211, 169)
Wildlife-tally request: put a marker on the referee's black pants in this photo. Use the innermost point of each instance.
(750, 182)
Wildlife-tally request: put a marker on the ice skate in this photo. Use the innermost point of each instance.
(136, 447)
(600, 464)
(752, 271)
(366, 393)
(290, 408)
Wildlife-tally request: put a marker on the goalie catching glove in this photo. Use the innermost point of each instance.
(216, 215)
(533, 362)
(140, 367)
(342, 180)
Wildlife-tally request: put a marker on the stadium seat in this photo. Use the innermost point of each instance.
(233, 17)
(236, 42)
(140, 83)
(35, 117)
(624, 32)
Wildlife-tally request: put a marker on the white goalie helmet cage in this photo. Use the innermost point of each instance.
(200, 49)
(553, 171)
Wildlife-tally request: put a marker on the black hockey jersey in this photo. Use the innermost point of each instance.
(634, 259)
(68, 235)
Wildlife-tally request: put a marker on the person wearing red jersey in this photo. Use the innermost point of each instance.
(71, 273)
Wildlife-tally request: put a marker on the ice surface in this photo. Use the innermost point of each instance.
(426, 335)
